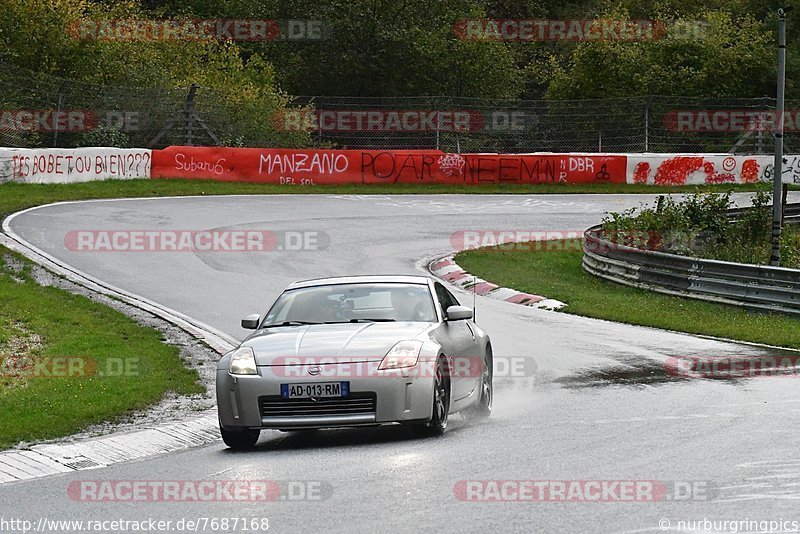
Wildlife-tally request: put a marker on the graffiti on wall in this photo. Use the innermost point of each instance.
(73, 165)
(694, 169)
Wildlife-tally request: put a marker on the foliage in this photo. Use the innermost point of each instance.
(716, 53)
(103, 136)
(44, 36)
(698, 225)
(385, 48)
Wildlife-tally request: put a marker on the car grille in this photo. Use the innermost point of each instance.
(355, 404)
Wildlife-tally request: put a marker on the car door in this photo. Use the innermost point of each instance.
(458, 341)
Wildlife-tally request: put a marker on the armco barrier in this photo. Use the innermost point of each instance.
(68, 165)
(318, 167)
(753, 286)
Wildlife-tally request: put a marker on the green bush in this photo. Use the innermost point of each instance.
(102, 136)
(698, 225)
(42, 56)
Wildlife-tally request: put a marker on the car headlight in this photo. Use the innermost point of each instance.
(243, 362)
(403, 354)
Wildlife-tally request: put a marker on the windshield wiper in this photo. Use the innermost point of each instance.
(291, 323)
(362, 321)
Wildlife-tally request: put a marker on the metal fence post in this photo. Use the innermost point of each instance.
(438, 118)
(777, 169)
(189, 112)
(58, 110)
(319, 126)
(647, 124)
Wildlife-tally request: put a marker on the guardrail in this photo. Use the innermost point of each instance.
(791, 212)
(759, 287)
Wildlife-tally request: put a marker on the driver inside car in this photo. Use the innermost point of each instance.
(408, 307)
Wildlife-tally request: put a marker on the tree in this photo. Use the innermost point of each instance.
(50, 37)
(720, 55)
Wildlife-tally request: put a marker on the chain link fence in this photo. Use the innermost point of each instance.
(45, 111)
(634, 124)
(38, 111)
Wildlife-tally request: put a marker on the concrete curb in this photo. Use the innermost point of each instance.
(55, 458)
(445, 268)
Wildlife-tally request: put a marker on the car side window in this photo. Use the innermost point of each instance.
(440, 291)
(453, 300)
(445, 298)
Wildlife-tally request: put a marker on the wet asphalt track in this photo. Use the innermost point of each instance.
(598, 408)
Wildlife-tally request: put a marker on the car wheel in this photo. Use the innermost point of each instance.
(240, 440)
(441, 402)
(483, 408)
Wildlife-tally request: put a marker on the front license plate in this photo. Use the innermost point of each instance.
(317, 390)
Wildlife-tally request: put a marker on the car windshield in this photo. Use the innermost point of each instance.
(352, 303)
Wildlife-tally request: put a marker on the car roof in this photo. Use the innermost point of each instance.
(363, 279)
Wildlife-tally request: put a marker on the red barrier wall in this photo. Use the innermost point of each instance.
(317, 167)
(692, 169)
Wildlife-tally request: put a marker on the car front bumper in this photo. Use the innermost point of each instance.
(399, 396)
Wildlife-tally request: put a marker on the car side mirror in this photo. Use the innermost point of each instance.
(458, 313)
(251, 321)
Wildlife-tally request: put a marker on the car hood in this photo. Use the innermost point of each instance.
(298, 345)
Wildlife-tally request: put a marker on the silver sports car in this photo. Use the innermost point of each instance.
(355, 351)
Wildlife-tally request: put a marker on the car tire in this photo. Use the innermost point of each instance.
(483, 408)
(441, 402)
(240, 440)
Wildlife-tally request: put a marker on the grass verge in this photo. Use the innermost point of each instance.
(67, 362)
(558, 274)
